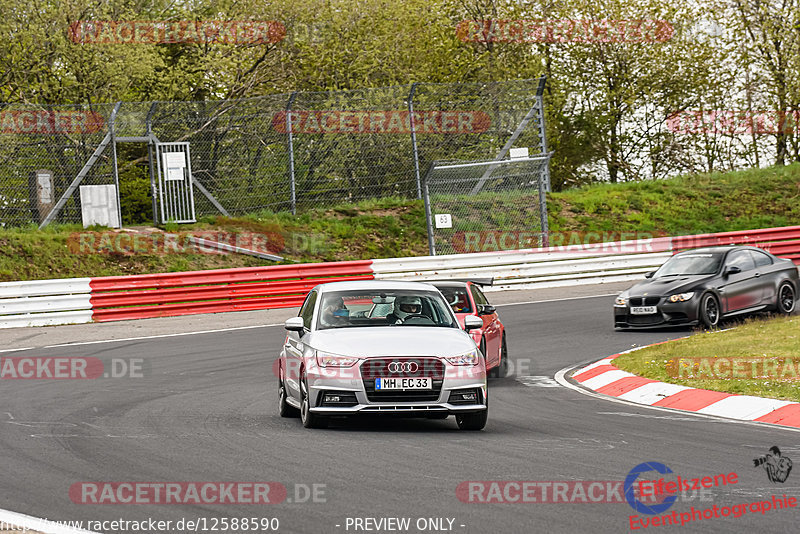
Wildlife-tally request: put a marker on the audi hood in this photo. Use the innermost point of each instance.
(383, 341)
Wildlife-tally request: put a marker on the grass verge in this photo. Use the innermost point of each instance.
(760, 357)
(395, 227)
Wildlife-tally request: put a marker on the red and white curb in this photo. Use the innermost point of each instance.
(604, 378)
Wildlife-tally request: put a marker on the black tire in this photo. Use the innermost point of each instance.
(502, 371)
(786, 300)
(309, 419)
(284, 408)
(709, 311)
(491, 373)
(473, 421)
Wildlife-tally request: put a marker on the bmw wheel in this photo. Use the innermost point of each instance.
(309, 419)
(709, 311)
(786, 300)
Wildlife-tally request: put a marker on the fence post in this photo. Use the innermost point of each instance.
(151, 155)
(544, 181)
(428, 215)
(292, 189)
(414, 136)
(112, 128)
(543, 131)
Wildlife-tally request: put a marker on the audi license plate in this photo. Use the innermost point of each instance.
(403, 383)
(643, 310)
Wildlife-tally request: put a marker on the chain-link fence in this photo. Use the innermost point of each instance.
(42, 150)
(286, 152)
(486, 206)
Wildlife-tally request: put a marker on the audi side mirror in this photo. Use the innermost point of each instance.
(472, 322)
(294, 324)
(487, 309)
(650, 274)
(733, 270)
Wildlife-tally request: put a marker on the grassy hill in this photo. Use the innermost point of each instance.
(755, 198)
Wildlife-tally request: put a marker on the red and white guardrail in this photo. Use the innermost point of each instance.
(113, 298)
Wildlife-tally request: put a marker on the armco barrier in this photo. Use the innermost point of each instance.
(783, 242)
(552, 267)
(158, 295)
(45, 302)
(81, 300)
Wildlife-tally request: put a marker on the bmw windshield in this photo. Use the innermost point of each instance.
(690, 264)
(344, 309)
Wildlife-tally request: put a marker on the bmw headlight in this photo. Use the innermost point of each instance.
(681, 297)
(621, 300)
(326, 359)
(470, 358)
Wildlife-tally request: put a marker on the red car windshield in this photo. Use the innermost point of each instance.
(457, 298)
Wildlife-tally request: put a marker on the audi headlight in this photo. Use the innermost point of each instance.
(326, 359)
(681, 297)
(469, 358)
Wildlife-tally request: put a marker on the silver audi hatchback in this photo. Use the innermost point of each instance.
(381, 348)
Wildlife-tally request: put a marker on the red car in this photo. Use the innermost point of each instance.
(466, 298)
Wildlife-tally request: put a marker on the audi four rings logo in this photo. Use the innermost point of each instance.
(402, 367)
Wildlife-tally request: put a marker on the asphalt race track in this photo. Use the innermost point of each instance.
(206, 411)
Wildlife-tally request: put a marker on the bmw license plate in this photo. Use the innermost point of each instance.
(643, 310)
(403, 383)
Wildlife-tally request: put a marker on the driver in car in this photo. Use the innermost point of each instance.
(404, 307)
(336, 313)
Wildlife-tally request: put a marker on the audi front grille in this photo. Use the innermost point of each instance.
(403, 368)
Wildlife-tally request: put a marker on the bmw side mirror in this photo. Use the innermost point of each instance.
(733, 270)
(487, 310)
(650, 274)
(294, 324)
(471, 322)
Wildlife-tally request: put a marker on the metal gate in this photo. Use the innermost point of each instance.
(174, 172)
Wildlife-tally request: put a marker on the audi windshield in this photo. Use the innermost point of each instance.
(344, 309)
(690, 264)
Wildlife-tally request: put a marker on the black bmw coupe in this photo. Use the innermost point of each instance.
(705, 285)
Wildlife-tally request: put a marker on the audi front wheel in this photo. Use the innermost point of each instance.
(309, 419)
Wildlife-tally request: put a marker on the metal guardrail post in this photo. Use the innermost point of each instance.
(414, 136)
(292, 185)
